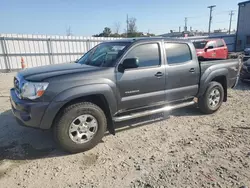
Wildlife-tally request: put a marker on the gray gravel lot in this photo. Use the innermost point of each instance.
(186, 149)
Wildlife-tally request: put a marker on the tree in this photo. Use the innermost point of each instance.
(106, 32)
(117, 26)
(132, 28)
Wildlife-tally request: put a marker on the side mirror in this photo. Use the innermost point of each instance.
(130, 63)
(76, 61)
(209, 47)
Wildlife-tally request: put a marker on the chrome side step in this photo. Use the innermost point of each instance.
(151, 112)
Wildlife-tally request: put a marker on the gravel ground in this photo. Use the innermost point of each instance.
(184, 149)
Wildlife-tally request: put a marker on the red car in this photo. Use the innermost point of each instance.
(211, 49)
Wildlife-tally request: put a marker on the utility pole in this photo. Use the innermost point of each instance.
(185, 28)
(68, 31)
(179, 29)
(230, 23)
(210, 17)
(127, 26)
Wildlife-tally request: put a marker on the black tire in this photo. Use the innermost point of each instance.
(67, 116)
(203, 101)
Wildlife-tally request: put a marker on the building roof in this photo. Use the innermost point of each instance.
(177, 34)
(244, 2)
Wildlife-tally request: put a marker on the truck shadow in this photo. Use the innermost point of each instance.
(131, 124)
(23, 143)
(243, 86)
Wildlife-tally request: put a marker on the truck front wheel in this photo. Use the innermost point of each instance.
(80, 127)
(212, 99)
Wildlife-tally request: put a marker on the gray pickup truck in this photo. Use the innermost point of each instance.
(117, 81)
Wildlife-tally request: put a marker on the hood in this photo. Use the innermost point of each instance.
(43, 72)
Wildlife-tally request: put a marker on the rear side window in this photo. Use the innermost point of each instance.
(177, 53)
(220, 43)
(148, 55)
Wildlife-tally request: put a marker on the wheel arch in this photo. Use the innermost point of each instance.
(97, 99)
(223, 81)
(218, 75)
(99, 94)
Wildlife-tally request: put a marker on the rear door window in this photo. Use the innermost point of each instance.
(177, 53)
(220, 43)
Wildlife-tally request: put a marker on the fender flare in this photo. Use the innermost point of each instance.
(76, 92)
(209, 75)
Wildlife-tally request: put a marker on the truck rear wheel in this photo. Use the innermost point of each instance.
(212, 99)
(80, 127)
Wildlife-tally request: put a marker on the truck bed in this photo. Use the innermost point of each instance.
(204, 65)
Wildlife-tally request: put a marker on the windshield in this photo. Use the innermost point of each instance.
(200, 44)
(104, 54)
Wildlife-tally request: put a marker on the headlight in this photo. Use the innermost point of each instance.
(33, 90)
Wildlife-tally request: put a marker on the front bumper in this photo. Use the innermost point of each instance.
(27, 113)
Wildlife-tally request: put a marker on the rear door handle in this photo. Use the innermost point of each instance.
(159, 74)
(192, 70)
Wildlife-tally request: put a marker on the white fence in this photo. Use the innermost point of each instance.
(38, 50)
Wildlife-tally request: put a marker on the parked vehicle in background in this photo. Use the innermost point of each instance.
(247, 51)
(117, 81)
(211, 49)
(245, 71)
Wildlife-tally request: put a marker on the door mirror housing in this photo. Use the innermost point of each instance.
(130, 63)
(209, 47)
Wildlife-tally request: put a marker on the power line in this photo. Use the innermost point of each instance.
(226, 21)
(224, 12)
(215, 13)
(210, 17)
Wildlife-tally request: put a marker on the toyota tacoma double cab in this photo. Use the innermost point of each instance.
(117, 81)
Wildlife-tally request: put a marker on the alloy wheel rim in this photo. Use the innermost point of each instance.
(214, 98)
(83, 128)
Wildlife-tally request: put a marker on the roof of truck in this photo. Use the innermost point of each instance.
(138, 39)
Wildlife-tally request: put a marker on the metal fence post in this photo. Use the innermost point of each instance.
(5, 54)
(50, 53)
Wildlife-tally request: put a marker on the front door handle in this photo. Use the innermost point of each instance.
(192, 70)
(159, 74)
